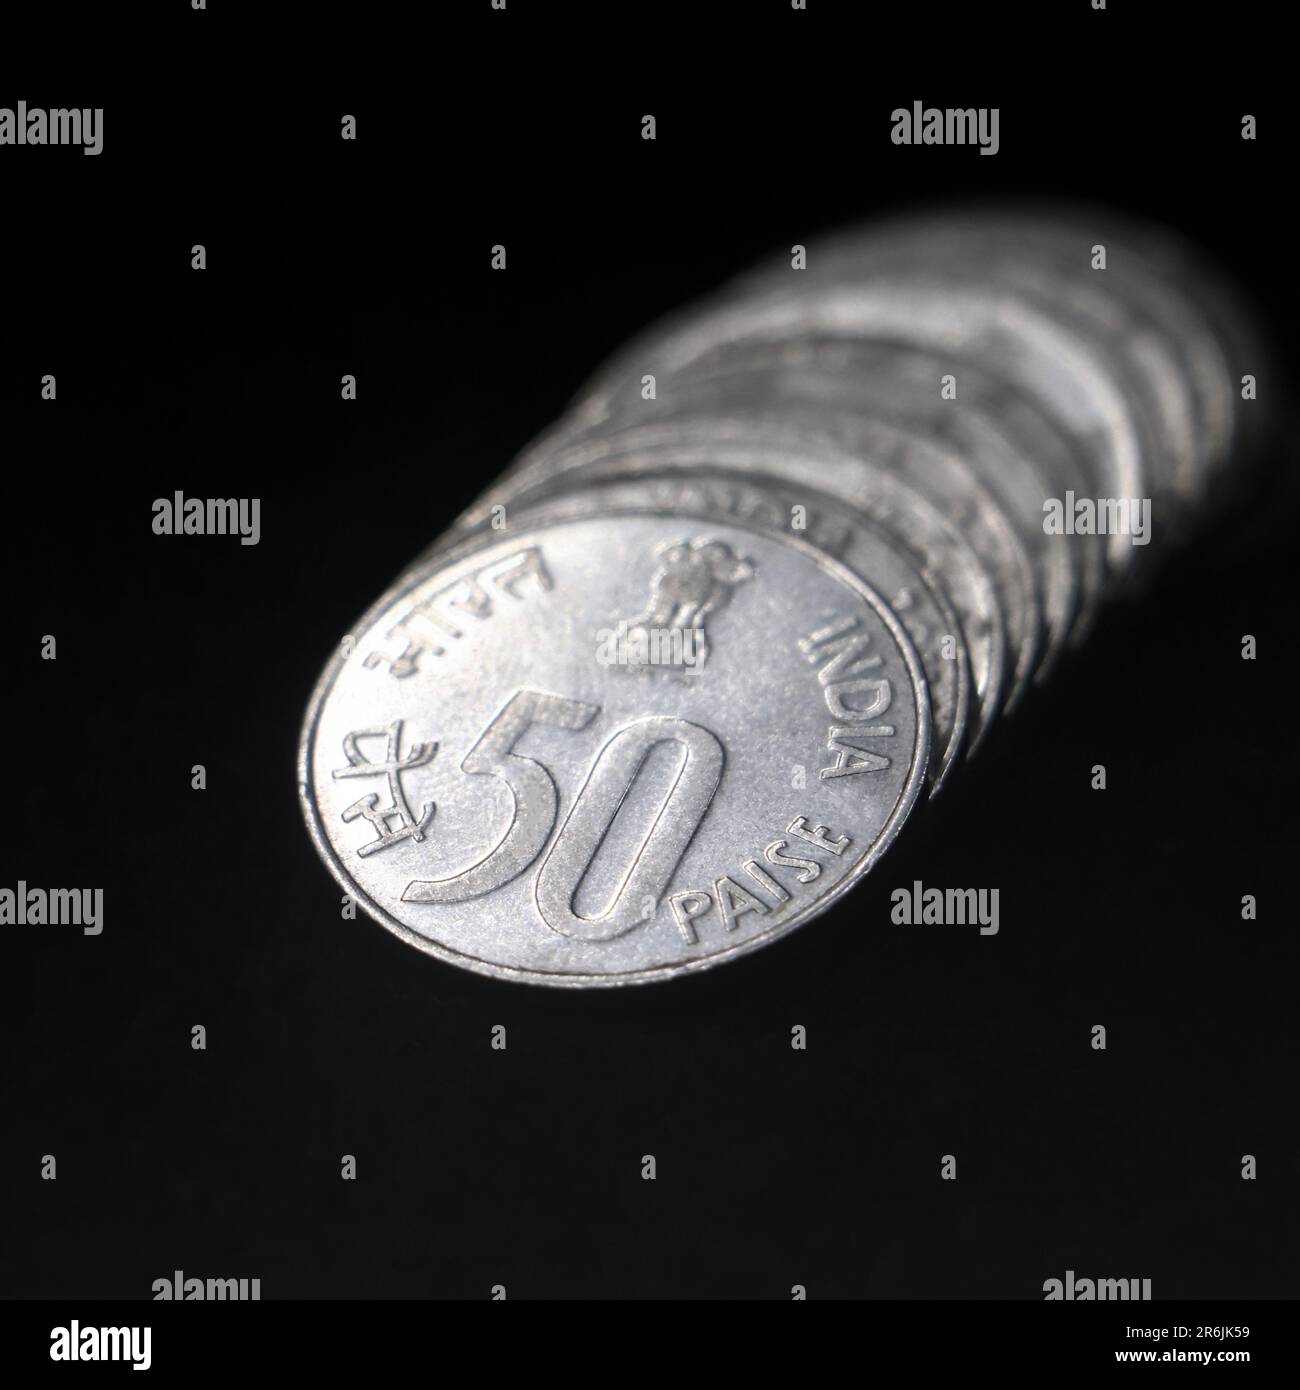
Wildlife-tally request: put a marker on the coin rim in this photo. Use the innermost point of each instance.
(410, 580)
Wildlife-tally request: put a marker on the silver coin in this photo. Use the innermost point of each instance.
(918, 601)
(797, 459)
(1206, 316)
(1153, 266)
(1231, 327)
(1145, 332)
(1013, 334)
(903, 388)
(613, 748)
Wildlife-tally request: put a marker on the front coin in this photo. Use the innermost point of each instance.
(613, 748)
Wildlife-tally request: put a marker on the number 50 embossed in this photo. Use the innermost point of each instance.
(610, 781)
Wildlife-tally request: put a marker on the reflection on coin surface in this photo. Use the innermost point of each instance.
(613, 747)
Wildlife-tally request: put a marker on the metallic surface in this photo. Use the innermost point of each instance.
(791, 458)
(494, 792)
(1018, 335)
(922, 463)
(959, 455)
(678, 678)
(875, 556)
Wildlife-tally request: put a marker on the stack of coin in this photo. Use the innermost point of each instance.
(678, 679)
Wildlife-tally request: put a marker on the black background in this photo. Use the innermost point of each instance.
(328, 1037)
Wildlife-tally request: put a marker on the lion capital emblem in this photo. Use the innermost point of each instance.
(693, 579)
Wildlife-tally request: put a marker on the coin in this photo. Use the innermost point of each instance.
(788, 555)
(1016, 334)
(1141, 330)
(613, 747)
(797, 458)
(1225, 326)
(1145, 265)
